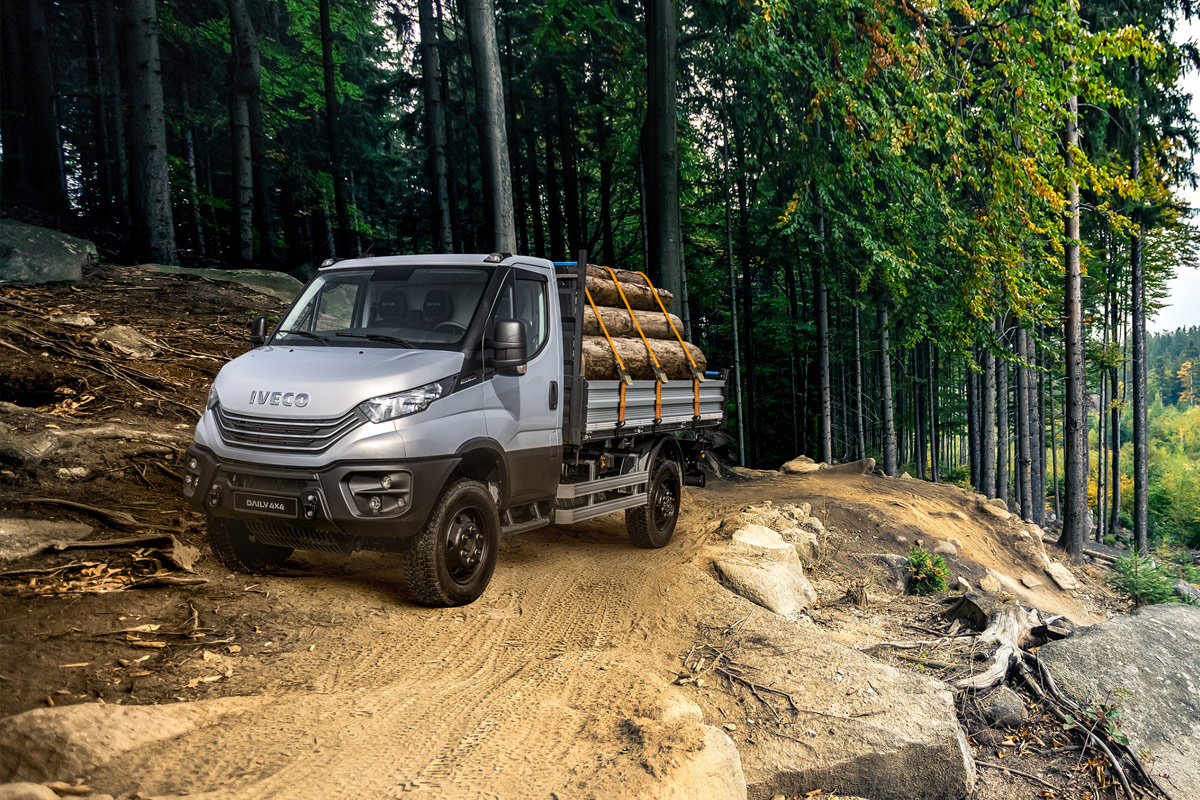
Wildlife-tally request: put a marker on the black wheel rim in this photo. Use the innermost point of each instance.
(466, 545)
(666, 499)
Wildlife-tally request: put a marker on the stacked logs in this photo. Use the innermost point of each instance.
(598, 360)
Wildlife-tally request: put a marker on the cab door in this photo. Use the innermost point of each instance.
(523, 413)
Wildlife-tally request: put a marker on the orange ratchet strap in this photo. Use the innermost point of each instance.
(621, 371)
(696, 374)
(660, 377)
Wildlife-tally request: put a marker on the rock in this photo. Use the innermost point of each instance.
(73, 473)
(778, 587)
(1188, 591)
(766, 542)
(31, 255)
(715, 771)
(957, 515)
(1155, 656)
(877, 731)
(729, 726)
(1029, 581)
(1062, 576)
(994, 507)
(21, 537)
(990, 583)
(54, 743)
(26, 791)
(998, 502)
(945, 549)
(898, 575)
(127, 341)
(800, 466)
(962, 584)
(905, 476)
(806, 543)
(1005, 708)
(279, 285)
(988, 737)
(74, 320)
(861, 467)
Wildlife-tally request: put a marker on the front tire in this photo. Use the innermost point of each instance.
(451, 561)
(651, 525)
(231, 544)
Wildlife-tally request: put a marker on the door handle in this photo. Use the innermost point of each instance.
(553, 395)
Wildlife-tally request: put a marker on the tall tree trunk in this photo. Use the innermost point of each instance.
(1037, 436)
(973, 420)
(821, 301)
(987, 416)
(189, 144)
(152, 236)
(245, 72)
(1141, 427)
(535, 198)
(493, 136)
(344, 240)
(885, 390)
(745, 259)
(1074, 430)
(1002, 412)
(114, 112)
(101, 210)
(921, 426)
(733, 298)
(1054, 454)
(931, 388)
(662, 167)
(557, 230)
(860, 440)
(1114, 527)
(1024, 437)
(44, 174)
(567, 145)
(435, 128)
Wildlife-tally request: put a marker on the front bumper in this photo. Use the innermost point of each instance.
(378, 503)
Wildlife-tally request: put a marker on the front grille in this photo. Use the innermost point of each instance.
(284, 435)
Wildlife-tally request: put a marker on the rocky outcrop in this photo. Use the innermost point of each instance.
(776, 586)
(279, 285)
(31, 255)
(57, 743)
(1148, 664)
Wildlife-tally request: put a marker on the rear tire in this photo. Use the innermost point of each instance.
(651, 525)
(451, 561)
(231, 544)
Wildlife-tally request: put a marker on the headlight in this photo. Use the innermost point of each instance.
(394, 406)
(212, 397)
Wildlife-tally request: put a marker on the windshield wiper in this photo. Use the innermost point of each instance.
(305, 334)
(378, 337)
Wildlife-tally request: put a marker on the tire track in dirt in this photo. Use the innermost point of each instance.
(484, 701)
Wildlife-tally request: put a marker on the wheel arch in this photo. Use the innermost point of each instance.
(483, 460)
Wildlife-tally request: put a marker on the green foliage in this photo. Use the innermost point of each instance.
(929, 571)
(1142, 580)
(1110, 540)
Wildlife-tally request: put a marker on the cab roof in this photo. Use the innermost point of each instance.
(446, 259)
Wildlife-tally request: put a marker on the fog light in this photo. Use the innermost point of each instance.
(193, 464)
(386, 482)
(187, 480)
(376, 503)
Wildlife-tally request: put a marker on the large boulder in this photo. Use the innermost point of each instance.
(63, 742)
(279, 285)
(775, 585)
(849, 725)
(31, 255)
(1154, 656)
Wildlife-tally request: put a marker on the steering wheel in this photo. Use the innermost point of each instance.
(449, 326)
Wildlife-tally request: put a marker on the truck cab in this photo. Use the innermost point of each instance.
(421, 404)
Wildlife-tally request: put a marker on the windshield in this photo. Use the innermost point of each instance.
(386, 306)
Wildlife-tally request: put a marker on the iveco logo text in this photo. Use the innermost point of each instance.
(267, 505)
(279, 399)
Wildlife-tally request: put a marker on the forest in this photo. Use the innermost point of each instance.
(929, 233)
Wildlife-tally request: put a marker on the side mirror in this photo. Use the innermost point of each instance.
(258, 332)
(510, 345)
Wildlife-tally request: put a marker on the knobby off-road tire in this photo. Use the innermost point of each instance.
(231, 544)
(651, 525)
(451, 561)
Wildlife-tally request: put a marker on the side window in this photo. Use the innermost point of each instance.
(335, 307)
(532, 307)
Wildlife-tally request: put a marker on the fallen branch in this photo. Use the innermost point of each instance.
(117, 519)
(1034, 778)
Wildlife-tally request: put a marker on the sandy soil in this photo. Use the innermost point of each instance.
(351, 692)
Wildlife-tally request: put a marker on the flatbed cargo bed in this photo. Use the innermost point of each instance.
(591, 407)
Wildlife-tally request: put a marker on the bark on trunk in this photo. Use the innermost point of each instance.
(1074, 431)
(641, 298)
(1141, 428)
(987, 446)
(1024, 458)
(345, 236)
(1002, 454)
(619, 323)
(435, 128)
(885, 380)
(661, 155)
(1037, 439)
(860, 440)
(599, 363)
(152, 236)
(493, 135)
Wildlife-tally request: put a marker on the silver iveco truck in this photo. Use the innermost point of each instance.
(431, 405)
